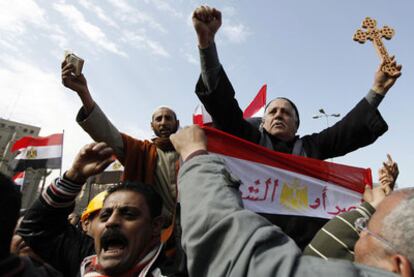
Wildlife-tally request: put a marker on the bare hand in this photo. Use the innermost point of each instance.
(189, 140)
(92, 159)
(78, 84)
(373, 196)
(388, 175)
(69, 80)
(206, 22)
(383, 81)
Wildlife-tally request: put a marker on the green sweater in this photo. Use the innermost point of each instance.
(337, 238)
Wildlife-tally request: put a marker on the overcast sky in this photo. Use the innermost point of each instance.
(143, 54)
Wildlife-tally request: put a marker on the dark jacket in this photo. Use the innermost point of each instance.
(25, 267)
(48, 232)
(360, 127)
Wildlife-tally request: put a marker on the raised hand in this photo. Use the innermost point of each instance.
(388, 174)
(77, 84)
(373, 196)
(383, 81)
(189, 140)
(92, 159)
(206, 22)
(69, 80)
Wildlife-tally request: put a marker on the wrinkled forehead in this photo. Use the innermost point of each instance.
(279, 103)
(124, 198)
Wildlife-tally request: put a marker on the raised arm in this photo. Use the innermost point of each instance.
(383, 81)
(388, 174)
(79, 85)
(214, 88)
(45, 227)
(360, 127)
(220, 237)
(90, 117)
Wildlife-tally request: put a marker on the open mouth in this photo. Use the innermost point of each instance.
(164, 131)
(113, 244)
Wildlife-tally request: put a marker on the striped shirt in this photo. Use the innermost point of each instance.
(61, 193)
(338, 236)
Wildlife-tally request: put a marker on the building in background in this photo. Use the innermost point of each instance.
(10, 131)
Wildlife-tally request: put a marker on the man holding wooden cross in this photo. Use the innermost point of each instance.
(359, 128)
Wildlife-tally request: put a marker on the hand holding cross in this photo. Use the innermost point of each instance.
(389, 70)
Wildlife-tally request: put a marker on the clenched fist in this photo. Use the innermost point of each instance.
(206, 22)
(189, 140)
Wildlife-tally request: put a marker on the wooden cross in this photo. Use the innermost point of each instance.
(374, 34)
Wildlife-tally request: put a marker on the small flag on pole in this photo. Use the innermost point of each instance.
(39, 152)
(257, 106)
(201, 116)
(18, 179)
(255, 109)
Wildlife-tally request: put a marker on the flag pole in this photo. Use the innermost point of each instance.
(61, 154)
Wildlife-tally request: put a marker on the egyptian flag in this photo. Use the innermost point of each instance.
(18, 179)
(285, 184)
(257, 106)
(39, 152)
(201, 116)
(254, 110)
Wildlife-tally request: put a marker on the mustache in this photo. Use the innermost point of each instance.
(113, 236)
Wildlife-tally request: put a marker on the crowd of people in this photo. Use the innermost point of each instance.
(141, 227)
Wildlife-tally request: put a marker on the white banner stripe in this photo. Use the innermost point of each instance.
(272, 190)
(40, 152)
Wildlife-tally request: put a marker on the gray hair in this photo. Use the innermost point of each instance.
(295, 109)
(398, 226)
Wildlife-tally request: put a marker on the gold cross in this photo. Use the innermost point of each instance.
(375, 35)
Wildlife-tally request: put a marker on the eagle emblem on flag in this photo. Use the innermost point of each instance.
(31, 153)
(116, 165)
(294, 196)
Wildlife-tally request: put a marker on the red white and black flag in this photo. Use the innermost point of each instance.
(18, 179)
(279, 183)
(39, 152)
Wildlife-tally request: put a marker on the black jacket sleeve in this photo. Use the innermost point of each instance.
(360, 127)
(223, 107)
(47, 231)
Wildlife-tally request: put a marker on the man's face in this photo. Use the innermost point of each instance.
(164, 123)
(124, 232)
(89, 224)
(73, 218)
(370, 250)
(280, 120)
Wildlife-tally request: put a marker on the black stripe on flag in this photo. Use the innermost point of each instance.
(23, 164)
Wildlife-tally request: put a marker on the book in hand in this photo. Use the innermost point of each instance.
(75, 60)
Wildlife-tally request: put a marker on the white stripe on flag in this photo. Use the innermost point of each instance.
(259, 113)
(271, 190)
(278, 183)
(40, 152)
(19, 179)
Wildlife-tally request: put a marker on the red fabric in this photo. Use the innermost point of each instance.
(258, 102)
(350, 177)
(55, 139)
